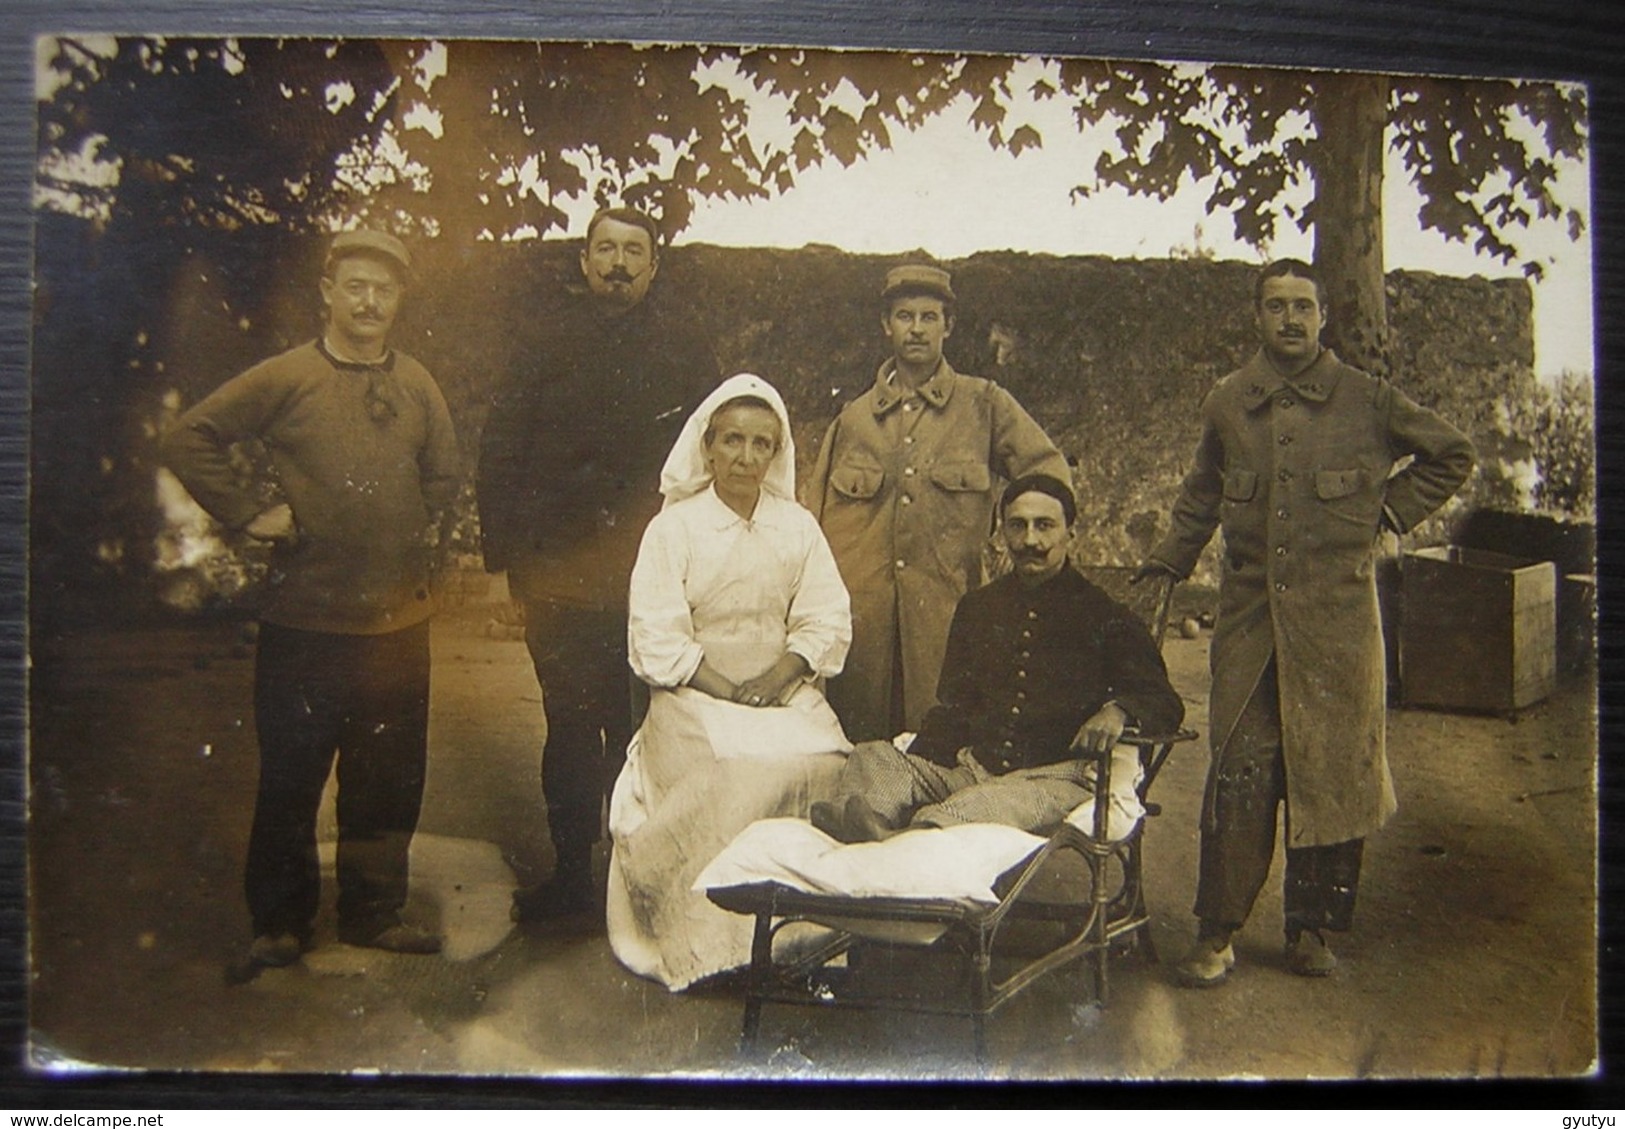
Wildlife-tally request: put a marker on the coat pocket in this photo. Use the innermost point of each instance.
(1240, 485)
(963, 477)
(1351, 504)
(1333, 484)
(857, 481)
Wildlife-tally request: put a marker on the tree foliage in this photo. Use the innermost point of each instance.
(1482, 153)
(295, 131)
(526, 127)
(217, 133)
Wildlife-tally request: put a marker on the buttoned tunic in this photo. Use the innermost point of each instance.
(1300, 474)
(570, 456)
(905, 487)
(1027, 666)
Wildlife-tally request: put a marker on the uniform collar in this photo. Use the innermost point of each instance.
(1260, 380)
(889, 393)
(1038, 594)
(600, 321)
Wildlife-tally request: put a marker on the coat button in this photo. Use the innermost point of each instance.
(1021, 674)
(1286, 401)
(1032, 615)
(908, 472)
(906, 499)
(1280, 550)
(1015, 709)
(1280, 586)
(1284, 475)
(900, 564)
(1281, 514)
(1283, 440)
(908, 440)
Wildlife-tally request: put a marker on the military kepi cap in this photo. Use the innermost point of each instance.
(919, 279)
(367, 242)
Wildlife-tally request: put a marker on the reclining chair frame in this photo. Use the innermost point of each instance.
(1109, 918)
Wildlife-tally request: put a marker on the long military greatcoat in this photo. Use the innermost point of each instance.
(1300, 474)
(905, 488)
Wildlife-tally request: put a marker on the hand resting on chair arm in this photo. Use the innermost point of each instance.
(1101, 731)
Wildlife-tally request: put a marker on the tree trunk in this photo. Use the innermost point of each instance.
(1351, 113)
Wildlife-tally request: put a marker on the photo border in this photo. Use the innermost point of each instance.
(1504, 39)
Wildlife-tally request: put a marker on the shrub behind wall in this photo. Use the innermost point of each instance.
(1112, 357)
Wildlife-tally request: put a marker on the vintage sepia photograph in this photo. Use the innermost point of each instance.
(610, 560)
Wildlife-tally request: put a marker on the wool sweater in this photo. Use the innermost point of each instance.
(366, 458)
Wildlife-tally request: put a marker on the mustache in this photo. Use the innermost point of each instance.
(621, 274)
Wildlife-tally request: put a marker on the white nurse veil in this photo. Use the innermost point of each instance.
(685, 473)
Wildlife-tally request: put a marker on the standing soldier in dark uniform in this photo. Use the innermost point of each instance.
(1296, 463)
(568, 479)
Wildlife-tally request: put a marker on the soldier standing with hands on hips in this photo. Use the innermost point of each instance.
(1297, 465)
(366, 462)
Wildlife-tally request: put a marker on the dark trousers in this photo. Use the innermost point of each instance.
(581, 664)
(364, 698)
(1247, 782)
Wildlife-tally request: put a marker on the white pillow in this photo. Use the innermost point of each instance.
(950, 862)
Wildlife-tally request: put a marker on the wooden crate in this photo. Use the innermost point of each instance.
(1479, 630)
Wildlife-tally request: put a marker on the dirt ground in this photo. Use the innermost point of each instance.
(1473, 956)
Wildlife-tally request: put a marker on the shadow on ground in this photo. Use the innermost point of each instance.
(1474, 953)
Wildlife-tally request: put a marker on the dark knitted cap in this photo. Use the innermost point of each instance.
(1042, 484)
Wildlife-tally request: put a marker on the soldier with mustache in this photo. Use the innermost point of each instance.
(905, 487)
(568, 478)
(1041, 669)
(366, 467)
(1297, 465)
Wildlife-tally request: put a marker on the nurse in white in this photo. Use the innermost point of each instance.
(737, 613)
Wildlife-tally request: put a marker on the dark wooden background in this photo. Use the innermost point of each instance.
(1581, 40)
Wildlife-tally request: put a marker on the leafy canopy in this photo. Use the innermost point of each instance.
(492, 139)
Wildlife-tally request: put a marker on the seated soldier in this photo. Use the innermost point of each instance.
(1041, 668)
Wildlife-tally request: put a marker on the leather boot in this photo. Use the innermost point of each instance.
(1207, 963)
(1307, 954)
